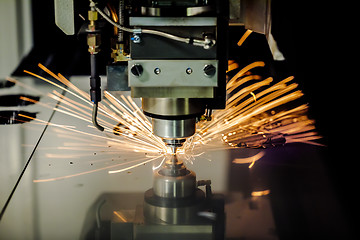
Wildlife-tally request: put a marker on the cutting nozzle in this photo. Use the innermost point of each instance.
(174, 143)
(173, 167)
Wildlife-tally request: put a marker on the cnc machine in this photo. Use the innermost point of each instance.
(172, 55)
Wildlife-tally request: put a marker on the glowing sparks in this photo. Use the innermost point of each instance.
(120, 216)
(135, 137)
(260, 193)
(244, 37)
(232, 65)
(134, 166)
(259, 121)
(251, 159)
(252, 94)
(255, 117)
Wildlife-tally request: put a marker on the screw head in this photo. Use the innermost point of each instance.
(136, 39)
(157, 71)
(137, 70)
(209, 70)
(189, 70)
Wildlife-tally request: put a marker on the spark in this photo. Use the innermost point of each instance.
(255, 116)
(134, 166)
(85, 172)
(232, 65)
(119, 215)
(251, 159)
(254, 122)
(260, 193)
(252, 94)
(136, 136)
(244, 37)
(252, 164)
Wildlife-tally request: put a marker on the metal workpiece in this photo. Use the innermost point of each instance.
(173, 180)
(173, 73)
(174, 187)
(173, 211)
(174, 198)
(174, 232)
(165, 128)
(173, 106)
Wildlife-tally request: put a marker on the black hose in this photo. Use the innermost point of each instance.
(95, 81)
(94, 117)
(95, 90)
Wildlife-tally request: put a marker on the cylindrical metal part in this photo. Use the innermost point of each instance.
(174, 187)
(173, 106)
(173, 211)
(173, 128)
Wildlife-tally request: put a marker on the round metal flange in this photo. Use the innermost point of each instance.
(168, 107)
(170, 182)
(159, 210)
(171, 129)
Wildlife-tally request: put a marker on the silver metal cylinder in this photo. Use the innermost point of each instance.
(173, 106)
(184, 215)
(174, 187)
(174, 198)
(173, 180)
(173, 118)
(173, 128)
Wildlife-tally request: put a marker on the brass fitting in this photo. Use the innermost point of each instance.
(204, 118)
(94, 41)
(118, 53)
(92, 17)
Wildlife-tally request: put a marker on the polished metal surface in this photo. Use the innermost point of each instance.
(165, 215)
(173, 128)
(173, 106)
(172, 92)
(258, 16)
(174, 198)
(174, 181)
(173, 73)
(253, 14)
(174, 143)
(173, 232)
(64, 16)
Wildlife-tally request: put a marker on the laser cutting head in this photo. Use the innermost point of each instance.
(178, 80)
(172, 55)
(173, 119)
